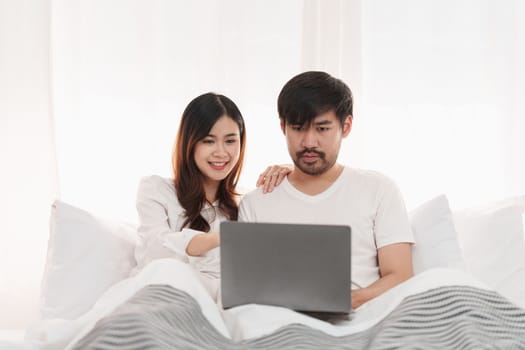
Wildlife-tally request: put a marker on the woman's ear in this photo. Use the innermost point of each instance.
(347, 125)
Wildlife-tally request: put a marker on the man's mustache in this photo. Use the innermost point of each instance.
(310, 150)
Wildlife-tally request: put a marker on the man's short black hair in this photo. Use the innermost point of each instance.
(310, 94)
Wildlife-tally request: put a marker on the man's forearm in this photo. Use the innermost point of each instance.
(361, 296)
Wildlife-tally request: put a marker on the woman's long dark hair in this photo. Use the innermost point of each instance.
(198, 119)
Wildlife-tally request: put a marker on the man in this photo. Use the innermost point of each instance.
(315, 110)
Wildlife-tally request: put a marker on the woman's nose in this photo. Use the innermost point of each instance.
(220, 149)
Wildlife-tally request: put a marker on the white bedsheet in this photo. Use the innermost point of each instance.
(251, 321)
(239, 323)
(13, 339)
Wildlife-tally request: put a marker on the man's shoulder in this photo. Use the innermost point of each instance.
(257, 198)
(368, 175)
(256, 194)
(253, 204)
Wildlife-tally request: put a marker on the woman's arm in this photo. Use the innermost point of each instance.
(202, 243)
(158, 237)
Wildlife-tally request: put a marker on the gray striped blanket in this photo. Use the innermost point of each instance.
(453, 317)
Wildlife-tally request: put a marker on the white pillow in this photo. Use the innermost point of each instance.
(86, 255)
(493, 244)
(436, 238)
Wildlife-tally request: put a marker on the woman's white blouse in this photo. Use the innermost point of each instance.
(161, 236)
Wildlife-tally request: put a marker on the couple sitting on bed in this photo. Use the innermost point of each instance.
(180, 217)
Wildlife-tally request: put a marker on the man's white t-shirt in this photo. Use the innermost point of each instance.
(367, 201)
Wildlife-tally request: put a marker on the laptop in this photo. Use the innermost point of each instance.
(306, 268)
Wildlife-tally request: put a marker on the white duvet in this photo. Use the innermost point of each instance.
(239, 323)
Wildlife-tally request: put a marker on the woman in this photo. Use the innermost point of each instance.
(180, 217)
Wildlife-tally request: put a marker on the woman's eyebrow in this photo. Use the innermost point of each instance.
(227, 135)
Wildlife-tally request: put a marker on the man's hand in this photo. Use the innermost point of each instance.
(359, 297)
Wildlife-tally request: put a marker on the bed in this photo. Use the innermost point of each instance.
(468, 292)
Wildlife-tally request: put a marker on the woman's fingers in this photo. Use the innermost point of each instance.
(262, 178)
(270, 183)
(280, 177)
(273, 176)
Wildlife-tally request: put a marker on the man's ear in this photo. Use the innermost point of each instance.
(347, 125)
(283, 126)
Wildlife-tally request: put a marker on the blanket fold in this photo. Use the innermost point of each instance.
(451, 317)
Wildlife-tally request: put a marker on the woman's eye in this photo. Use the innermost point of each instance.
(207, 141)
(231, 141)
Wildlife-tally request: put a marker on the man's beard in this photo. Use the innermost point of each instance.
(312, 168)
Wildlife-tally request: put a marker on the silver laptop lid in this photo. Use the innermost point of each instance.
(302, 267)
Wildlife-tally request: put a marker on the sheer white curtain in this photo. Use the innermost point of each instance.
(123, 74)
(443, 87)
(28, 177)
(437, 88)
(124, 71)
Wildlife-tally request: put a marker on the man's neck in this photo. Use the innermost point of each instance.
(314, 184)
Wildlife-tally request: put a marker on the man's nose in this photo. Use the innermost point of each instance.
(309, 138)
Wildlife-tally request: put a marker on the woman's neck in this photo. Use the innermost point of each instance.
(210, 190)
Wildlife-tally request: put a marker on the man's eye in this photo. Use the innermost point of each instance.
(297, 128)
(322, 128)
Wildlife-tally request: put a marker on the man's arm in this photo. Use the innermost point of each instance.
(395, 266)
